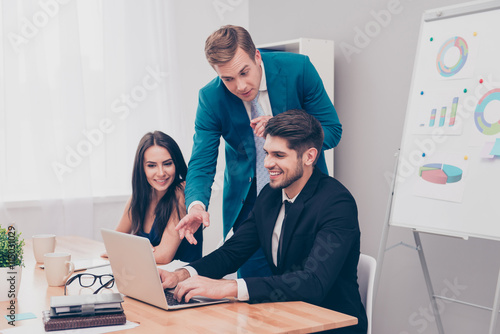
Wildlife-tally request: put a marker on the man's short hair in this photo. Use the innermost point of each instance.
(301, 130)
(221, 45)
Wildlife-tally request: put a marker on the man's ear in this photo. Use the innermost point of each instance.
(258, 58)
(309, 156)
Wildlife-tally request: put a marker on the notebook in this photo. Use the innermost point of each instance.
(83, 305)
(136, 275)
(56, 324)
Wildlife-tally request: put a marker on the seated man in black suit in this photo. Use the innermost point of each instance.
(312, 248)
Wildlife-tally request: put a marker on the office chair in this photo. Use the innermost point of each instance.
(366, 279)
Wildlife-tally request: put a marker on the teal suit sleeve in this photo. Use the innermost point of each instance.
(203, 162)
(317, 103)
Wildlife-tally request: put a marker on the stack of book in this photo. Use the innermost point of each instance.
(69, 312)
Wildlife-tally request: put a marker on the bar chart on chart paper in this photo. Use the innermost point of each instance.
(443, 115)
(438, 115)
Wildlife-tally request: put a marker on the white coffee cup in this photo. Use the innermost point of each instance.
(43, 243)
(58, 268)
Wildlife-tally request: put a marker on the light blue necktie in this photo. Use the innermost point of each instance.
(262, 173)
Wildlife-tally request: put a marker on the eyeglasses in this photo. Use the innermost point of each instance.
(87, 280)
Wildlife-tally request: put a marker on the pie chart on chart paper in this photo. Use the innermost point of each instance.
(440, 173)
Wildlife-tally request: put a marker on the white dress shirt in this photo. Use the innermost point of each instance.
(263, 97)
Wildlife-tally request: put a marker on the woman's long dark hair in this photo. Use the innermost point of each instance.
(141, 190)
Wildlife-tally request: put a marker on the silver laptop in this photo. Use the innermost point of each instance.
(136, 275)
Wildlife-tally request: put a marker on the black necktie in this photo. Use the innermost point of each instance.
(280, 244)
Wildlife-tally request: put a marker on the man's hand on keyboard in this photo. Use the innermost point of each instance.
(170, 280)
(206, 287)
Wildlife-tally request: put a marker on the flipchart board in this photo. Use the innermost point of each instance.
(448, 174)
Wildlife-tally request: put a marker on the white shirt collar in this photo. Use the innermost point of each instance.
(263, 82)
(285, 197)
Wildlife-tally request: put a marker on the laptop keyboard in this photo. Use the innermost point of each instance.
(171, 301)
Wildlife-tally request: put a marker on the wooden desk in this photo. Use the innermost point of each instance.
(235, 317)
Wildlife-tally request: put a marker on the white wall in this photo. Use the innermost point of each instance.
(371, 92)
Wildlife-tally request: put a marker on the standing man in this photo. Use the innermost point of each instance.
(306, 223)
(250, 89)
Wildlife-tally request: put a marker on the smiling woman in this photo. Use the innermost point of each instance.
(157, 203)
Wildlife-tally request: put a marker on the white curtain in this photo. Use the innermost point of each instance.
(80, 83)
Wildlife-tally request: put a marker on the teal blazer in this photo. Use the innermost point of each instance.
(292, 83)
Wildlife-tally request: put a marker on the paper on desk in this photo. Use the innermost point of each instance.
(90, 330)
(175, 264)
(21, 316)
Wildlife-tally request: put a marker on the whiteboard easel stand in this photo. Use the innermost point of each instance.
(428, 282)
(475, 7)
(432, 296)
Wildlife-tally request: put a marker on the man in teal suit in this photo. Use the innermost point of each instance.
(276, 82)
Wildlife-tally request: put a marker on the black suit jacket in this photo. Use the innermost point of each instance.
(320, 251)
